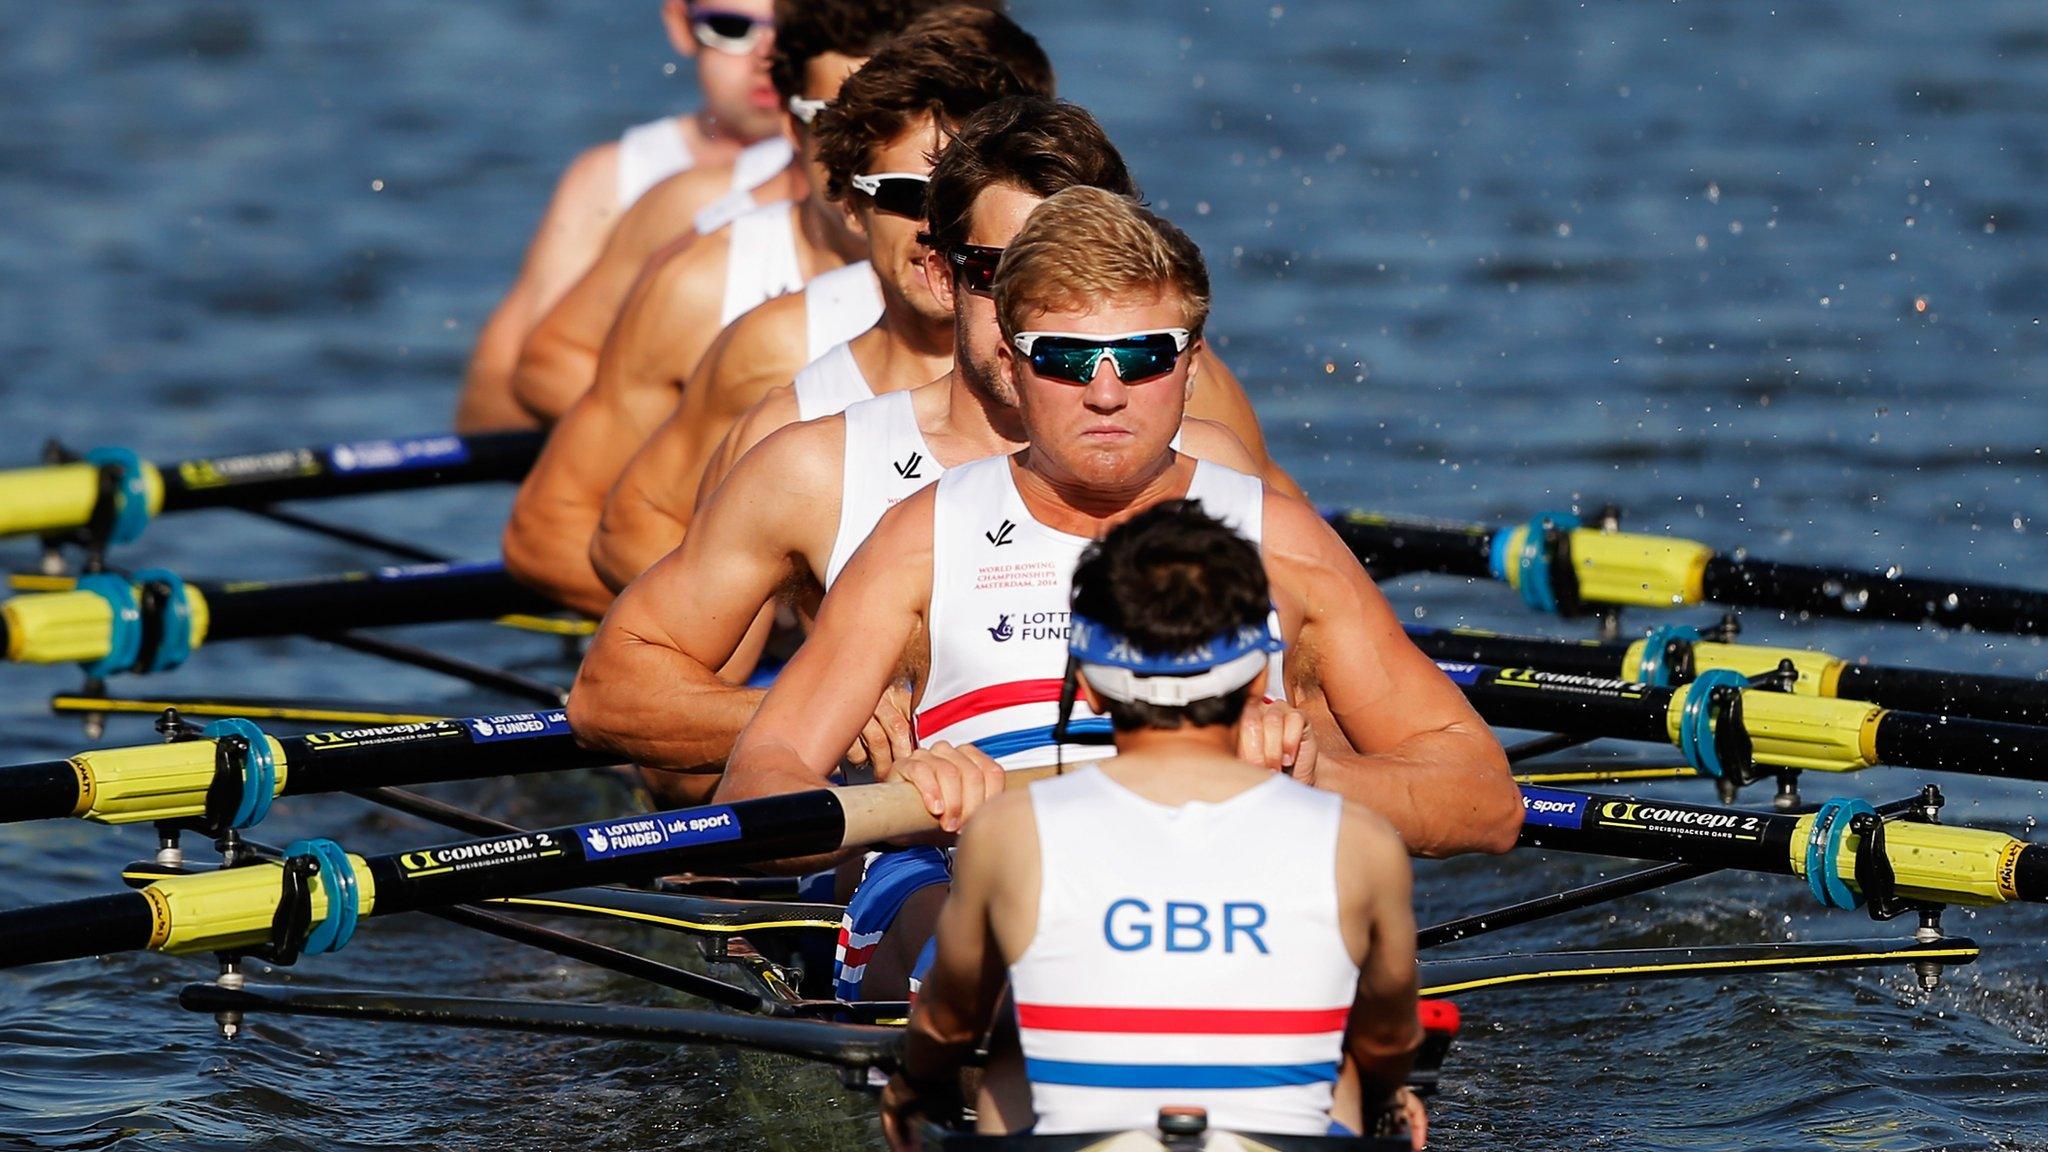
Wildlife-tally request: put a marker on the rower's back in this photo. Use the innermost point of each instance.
(1186, 953)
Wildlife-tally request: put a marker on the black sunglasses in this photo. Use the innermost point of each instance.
(897, 193)
(975, 266)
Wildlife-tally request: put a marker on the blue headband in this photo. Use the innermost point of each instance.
(1119, 670)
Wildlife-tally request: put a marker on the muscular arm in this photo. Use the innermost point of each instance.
(827, 692)
(570, 234)
(1220, 397)
(649, 689)
(1373, 885)
(547, 540)
(649, 509)
(1419, 755)
(993, 902)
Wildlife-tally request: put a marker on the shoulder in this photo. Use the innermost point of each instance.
(592, 177)
(799, 458)
(1368, 845)
(1216, 443)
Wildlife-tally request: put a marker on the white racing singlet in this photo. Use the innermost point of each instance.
(761, 260)
(648, 154)
(828, 385)
(887, 460)
(753, 167)
(1166, 970)
(998, 616)
(839, 305)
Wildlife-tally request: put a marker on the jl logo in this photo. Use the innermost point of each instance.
(1001, 535)
(1002, 630)
(908, 470)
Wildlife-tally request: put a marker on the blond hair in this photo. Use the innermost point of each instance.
(1085, 246)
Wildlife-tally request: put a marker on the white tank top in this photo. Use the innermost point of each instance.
(828, 385)
(751, 169)
(761, 261)
(839, 305)
(998, 615)
(648, 154)
(1190, 955)
(887, 459)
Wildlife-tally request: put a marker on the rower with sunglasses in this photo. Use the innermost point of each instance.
(734, 141)
(876, 146)
(786, 519)
(962, 589)
(682, 299)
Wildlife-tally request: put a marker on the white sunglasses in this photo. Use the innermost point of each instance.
(805, 110)
(732, 33)
(1074, 356)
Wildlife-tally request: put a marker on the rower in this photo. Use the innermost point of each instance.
(547, 541)
(736, 132)
(979, 203)
(786, 520)
(960, 591)
(1150, 967)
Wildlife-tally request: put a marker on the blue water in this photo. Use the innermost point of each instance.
(1770, 276)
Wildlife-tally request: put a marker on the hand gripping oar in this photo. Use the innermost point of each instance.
(228, 779)
(1675, 654)
(152, 622)
(117, 493)
(1558, 566)
(312, 900)
(1727, 728)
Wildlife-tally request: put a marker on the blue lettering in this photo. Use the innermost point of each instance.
(1139, 933)
(1179, 925)
(1254, 919)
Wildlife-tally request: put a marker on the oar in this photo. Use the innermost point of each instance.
(153, 621)
(1560, 567)
(845, 1045)
(1726, 728)
(240, 770)
(1844, 850)
(321, 887)
(117, 492)
(313, 900)
(1672, 656)
(875, 1046)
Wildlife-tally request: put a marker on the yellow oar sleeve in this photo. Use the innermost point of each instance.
(68, 627)
(152, 781)
(59, 496)
(1932, 861)
(1819, 673)
(234, 907)
(1788, 731)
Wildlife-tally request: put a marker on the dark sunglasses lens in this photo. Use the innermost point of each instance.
(900, 197)
(977, 266)
(1144, 358)
(1065, 359)
(1140, 358)
(727, 25)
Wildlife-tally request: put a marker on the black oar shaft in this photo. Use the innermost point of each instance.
(171, 781)
(1389, 546)
(1799, 588)
(384, 598)
(1979, 747)
(2007, 698)
(348, 469)
(1564, 702)
(96, 925)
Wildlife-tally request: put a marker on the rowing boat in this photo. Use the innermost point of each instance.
(1737, 714)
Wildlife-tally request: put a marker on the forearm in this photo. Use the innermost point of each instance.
(628, 700)
(552, 373)
(632, 535)
(1446, 791)
(1383, 1066)
(545, 546)
(487, 404)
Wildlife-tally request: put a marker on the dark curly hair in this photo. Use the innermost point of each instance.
(948, 65)
(1033, 143)
(807, 29)
(1169, 579)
